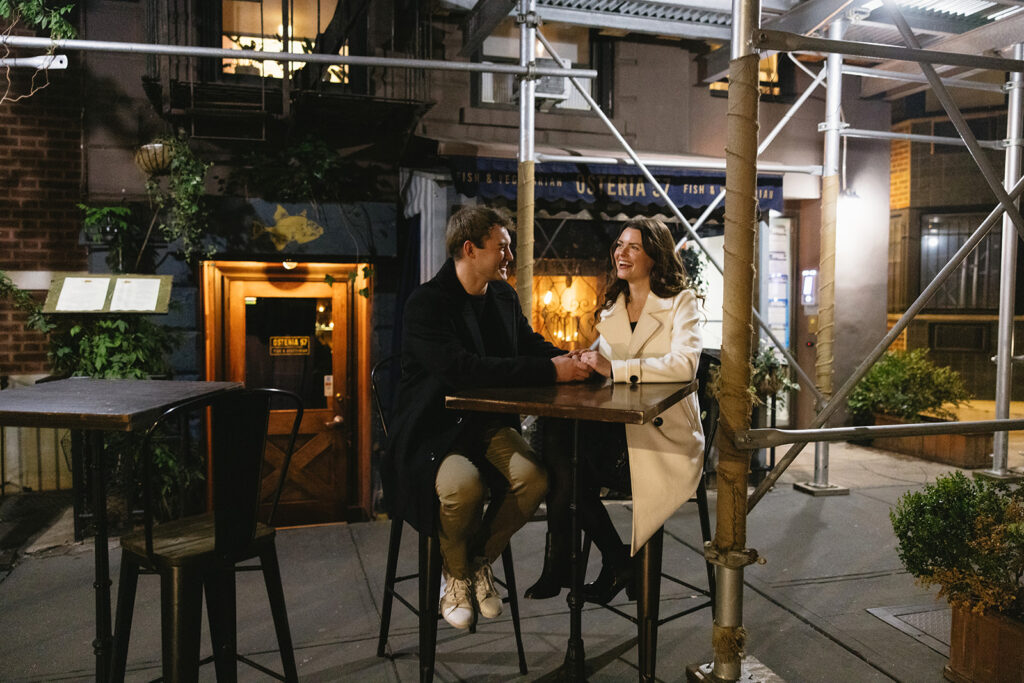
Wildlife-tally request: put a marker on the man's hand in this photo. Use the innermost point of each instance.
(595, 360)
(569, 369)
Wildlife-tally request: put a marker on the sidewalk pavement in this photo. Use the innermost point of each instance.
(829, 561)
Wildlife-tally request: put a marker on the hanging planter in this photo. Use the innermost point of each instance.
(154, 158)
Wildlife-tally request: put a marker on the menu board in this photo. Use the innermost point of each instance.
(100, 293)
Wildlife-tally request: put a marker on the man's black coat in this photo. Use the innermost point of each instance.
(443, 352)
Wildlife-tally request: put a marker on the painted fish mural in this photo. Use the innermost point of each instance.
(288, 228)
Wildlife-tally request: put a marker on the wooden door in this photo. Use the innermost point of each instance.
(299, 333)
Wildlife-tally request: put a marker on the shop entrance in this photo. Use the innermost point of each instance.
(304, 329)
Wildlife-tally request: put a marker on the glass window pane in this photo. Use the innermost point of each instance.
(288, 346)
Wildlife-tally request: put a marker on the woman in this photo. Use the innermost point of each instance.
(648, 327)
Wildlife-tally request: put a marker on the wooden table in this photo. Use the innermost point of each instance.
(98, 405)
(601, 402)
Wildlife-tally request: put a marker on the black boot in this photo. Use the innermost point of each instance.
(555, 575)
(616, 574)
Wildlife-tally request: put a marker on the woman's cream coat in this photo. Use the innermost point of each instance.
(666, 455)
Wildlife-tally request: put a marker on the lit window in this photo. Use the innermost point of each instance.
(774, 81)
(260, 25)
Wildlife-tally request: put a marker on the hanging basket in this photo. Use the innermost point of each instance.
(154, 158)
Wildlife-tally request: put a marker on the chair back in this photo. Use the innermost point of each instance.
(238, 433)
(387, 366)
(706, 400)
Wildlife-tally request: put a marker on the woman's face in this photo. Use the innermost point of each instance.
(632, 263)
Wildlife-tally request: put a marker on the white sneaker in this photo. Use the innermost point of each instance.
(456, 605)
(487, 598)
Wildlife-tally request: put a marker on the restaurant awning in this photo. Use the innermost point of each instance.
(607, 187)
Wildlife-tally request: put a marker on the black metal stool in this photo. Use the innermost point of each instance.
(647, 562)
(429, 574)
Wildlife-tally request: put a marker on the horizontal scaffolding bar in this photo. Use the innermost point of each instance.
(919, 78)
(790, 42)
(712, 164)
(257, 55)
(913, 137)
(767, 438)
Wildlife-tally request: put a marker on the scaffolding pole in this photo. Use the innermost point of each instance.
(790, 42)
(960, 82)
(524, 178)
(824, 363)
(915, 137)
(1008, 273)
(258, 55)
(727, 550)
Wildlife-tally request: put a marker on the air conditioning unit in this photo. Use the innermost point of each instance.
(551, 87)
(548, 90)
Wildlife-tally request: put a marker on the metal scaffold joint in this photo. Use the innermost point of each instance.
(731, 559)
(529, 19)
(823, 126)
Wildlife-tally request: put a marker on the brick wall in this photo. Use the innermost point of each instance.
(40, 184)
(899, 170)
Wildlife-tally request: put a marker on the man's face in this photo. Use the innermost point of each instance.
(491, 261)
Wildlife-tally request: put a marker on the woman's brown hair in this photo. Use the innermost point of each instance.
(668, 276)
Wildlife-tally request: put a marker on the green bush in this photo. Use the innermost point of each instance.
(967, 537)
(905, 384)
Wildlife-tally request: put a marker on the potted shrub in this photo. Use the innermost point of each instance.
(967, 537)
(906, 386)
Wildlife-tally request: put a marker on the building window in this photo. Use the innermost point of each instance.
(984, 128)
(263, 25)
(776, 80)
(975, 283)
(573, 43)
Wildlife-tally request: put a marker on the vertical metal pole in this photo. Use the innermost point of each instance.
(525, 186)
(1007, 270)
(727, 550)
(825, 356)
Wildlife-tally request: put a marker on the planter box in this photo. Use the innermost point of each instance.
(985, 648)
(970, 451)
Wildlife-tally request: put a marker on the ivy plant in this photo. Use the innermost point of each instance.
(36, 14)
(180, 202)
(128, 242)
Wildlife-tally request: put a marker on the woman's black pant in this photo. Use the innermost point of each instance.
(603, 462)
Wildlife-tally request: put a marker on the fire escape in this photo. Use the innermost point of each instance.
(253, 101)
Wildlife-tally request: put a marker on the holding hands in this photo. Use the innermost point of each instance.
(569, 368)
(595, 360)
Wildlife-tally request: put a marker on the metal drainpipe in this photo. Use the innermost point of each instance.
(826, 315)
(1007, 272)
(525, 180)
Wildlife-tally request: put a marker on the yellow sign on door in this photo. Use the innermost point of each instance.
(289, 346)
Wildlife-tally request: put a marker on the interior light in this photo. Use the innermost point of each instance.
(547, 297)
(289, 264)
(932, 241)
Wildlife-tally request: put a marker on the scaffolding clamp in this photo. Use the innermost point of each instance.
(823, 126)
(1011, 142)
(1012, 85)
(529, 18)
(731, 559)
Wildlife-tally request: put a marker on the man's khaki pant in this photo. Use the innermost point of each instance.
(462, 493)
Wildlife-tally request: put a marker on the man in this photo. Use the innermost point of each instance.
(463, 329)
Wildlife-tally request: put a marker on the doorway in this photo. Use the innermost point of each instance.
(302, 327)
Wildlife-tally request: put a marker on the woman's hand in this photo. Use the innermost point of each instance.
(598, 362)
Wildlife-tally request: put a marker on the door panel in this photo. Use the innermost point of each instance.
(330, 479)
(294, 336)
